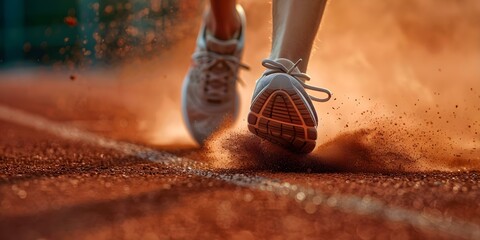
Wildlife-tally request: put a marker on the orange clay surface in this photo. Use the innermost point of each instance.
(402, 129)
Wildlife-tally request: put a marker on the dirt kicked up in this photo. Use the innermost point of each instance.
(405, 82)
(406, 86)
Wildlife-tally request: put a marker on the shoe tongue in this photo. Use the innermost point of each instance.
(221, 46)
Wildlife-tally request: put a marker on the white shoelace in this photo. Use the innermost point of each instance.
(216, 83)
(276, 67)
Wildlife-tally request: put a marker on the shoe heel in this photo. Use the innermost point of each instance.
(280, 116)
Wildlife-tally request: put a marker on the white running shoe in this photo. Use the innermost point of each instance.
(209, 94)
(281, 111)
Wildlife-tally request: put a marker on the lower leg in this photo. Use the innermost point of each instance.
(295, 25)
(222, 20)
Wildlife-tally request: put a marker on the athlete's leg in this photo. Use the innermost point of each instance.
(209, 94)
(223, 21)
(281, 111)
(295, 24)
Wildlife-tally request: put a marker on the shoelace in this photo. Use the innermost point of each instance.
(216, 83)
(276, 67)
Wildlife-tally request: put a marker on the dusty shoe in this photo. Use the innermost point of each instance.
(281, 111)
(209, 94)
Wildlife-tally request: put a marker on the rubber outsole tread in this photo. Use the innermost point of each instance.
(281, 117)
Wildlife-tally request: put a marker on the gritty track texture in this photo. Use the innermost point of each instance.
(93, 192)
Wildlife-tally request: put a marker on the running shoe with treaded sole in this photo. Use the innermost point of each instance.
(209, 94)
(281, 111)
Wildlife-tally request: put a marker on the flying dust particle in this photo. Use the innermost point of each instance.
(71, 21)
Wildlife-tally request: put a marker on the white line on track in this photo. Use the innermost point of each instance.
(309, 198)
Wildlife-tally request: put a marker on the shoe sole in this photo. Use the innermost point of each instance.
(280, 115)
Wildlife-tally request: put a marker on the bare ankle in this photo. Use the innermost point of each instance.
(223, 27)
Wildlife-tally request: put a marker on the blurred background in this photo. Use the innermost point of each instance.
(85, 32)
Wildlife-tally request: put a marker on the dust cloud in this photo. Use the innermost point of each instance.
(405, 77)
(406, 83)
